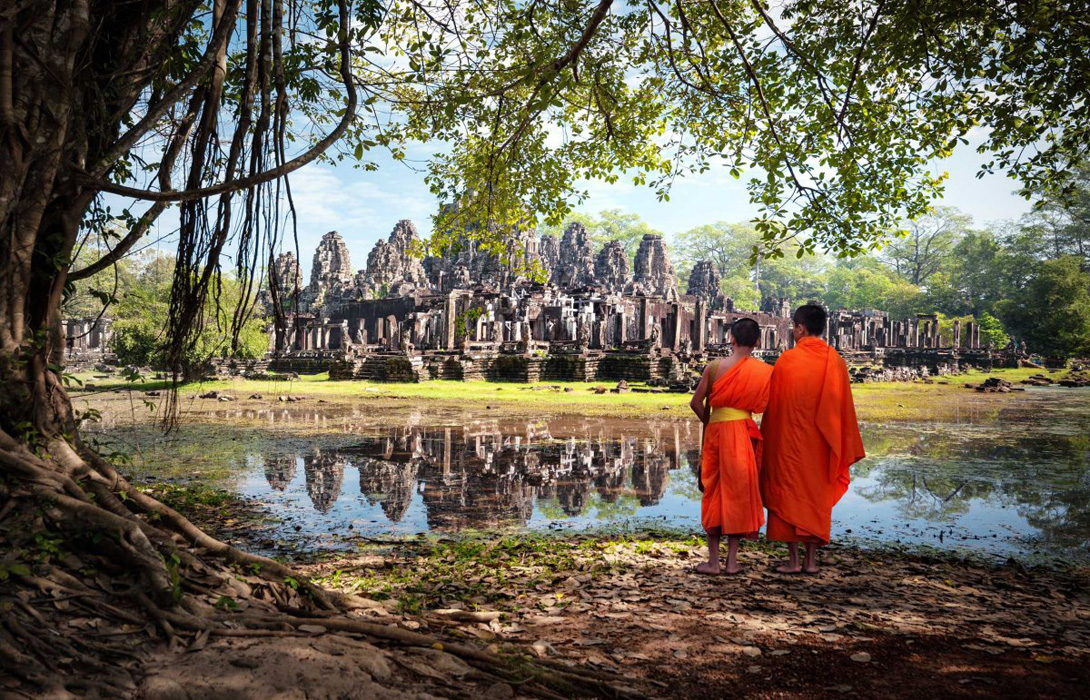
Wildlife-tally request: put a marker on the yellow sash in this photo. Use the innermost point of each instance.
(724, 413)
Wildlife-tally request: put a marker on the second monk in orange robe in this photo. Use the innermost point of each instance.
(811, 439)
(729, 393)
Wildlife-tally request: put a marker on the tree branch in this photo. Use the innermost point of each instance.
(258, 178)
(170, 98)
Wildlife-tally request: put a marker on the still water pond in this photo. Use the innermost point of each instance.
(1012, 483)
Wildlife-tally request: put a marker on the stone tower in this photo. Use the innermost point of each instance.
(548, 253)
(575, 264)
(391, 263)
(287, 274)
(331, 272)
(704, 283)
(653, 274)
(611, 267)
(332, 264)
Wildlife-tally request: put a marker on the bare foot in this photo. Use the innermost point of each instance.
(707, 568)
(810, 569)
(732, 570)
(789, 568)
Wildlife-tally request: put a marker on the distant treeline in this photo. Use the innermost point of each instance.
(1028, 280)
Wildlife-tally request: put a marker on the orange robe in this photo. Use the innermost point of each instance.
(811, 439)
(731, 452)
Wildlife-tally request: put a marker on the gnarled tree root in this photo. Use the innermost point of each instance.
(174, 576)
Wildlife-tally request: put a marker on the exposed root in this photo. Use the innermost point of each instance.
(129, 567)
(232, 555)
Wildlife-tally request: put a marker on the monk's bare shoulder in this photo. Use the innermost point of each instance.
(724, 364)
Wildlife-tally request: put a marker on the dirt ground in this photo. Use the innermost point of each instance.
(870, 624)
(627, 609)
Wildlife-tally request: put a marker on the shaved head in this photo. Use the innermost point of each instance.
(745, 332)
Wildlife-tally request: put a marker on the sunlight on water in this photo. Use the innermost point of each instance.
(1013, 484)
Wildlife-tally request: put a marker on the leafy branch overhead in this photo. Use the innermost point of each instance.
(834, 111)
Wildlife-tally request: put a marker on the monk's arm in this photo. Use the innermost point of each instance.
(697, 404)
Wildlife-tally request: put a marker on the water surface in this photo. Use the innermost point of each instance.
(1016, 482)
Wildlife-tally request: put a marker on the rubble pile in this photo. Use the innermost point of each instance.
(870, 373)
(992, 385)
(1076, 379)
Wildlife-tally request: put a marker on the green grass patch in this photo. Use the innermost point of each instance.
(192, 499)
(879, 401)
(512, 572)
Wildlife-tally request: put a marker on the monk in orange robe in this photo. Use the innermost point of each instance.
(811, 439)
(729, 393)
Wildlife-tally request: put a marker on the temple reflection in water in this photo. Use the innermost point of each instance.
(483, 477)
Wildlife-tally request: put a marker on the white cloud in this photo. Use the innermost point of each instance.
(362, 206)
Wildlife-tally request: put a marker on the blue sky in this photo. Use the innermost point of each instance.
(364, 206)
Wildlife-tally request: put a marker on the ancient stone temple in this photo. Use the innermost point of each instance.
(535, 308)
(704, 283)
(574, 266)
(86, 340)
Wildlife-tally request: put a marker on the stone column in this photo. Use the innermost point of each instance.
(957, 334)
(701, 337)
(449, 313)
(675, 342)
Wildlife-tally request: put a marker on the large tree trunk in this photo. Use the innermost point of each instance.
(71, 72)
(59, 117)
